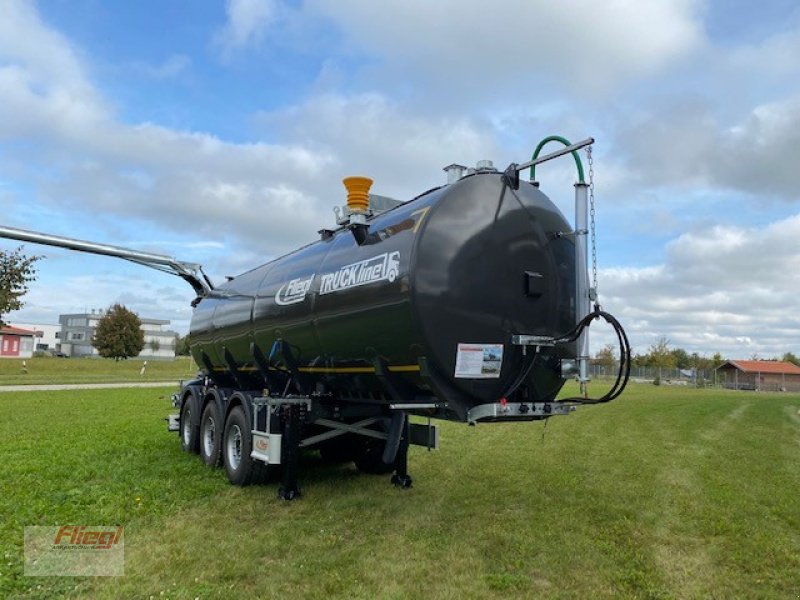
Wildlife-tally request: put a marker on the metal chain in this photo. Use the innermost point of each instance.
(590, 160)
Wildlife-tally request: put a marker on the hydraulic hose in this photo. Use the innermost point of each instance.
(624, 371)
(566, 142)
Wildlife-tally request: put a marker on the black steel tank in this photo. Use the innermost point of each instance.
(423, 308)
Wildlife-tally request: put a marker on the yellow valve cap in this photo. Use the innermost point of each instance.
(357, 193)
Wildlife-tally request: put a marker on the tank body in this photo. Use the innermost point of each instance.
(456, 271)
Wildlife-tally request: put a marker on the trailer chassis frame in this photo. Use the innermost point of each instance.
(280, 440)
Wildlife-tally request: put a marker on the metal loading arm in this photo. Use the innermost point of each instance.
(192, 273)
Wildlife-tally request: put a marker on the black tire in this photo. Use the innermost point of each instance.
(370, 458)
(190, 440)
(240, 468)
(210, 441)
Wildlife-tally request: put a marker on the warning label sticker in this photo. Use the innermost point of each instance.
(479, 361)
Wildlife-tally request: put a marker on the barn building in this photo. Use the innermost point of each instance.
(761, 375)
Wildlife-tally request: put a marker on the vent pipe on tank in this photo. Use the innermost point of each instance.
(454, 172)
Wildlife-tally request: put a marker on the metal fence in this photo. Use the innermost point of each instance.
(701, 378)
(666, 376)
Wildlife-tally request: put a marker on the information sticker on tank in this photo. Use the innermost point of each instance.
(479, 361)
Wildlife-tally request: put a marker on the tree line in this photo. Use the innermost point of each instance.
(661, 355)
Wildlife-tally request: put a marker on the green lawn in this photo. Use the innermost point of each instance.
(665, 493)
(92, 370)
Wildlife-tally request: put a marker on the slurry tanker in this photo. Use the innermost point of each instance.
(469, 303)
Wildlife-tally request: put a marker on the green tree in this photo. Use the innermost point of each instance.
(682, 358)
(703, 363)
(790, 357)
(182, 347)
(16, 272)
(638, 360)
(659, 355)
(118, 334)
(605, 358)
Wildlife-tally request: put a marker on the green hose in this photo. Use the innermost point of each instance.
(566, 142)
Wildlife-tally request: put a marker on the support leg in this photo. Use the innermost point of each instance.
(290, 490)
(401, 478)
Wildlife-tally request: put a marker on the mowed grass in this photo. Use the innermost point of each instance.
(665, 493)
(45, 370)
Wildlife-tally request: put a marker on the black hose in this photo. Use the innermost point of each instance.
(623, 374)
(523, 375)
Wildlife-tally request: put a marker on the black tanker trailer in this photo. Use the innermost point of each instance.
(467, 303)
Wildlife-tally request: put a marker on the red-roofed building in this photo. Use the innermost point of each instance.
(16, 342)
(762, 375)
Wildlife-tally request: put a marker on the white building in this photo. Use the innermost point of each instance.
(46, 338)
(77, 331)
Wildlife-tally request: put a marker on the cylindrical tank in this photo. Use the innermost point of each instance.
(429, 300)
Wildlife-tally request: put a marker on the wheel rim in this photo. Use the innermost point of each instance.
(234, 447)
(209, 431)
(186, 427)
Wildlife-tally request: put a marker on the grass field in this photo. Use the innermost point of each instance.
(92, 370)
(666, 493)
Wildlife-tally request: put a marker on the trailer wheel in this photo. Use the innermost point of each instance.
(210, 435)
(189, 437)
(370, 458)
(236, 445)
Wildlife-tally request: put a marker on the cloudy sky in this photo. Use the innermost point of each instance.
(219, 132)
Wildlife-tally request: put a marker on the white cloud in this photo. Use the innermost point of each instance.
(684, 146)
(776, 55)
(42, 81)
(373, 135)
(247, 22)
(147, 293)
(728, 289)
(39, 52)
(583, 45)
(273, 196)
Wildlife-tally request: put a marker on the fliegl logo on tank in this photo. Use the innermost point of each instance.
(384, 267)
(293, 292)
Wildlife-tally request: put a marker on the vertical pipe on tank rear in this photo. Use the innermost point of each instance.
(582, 300)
